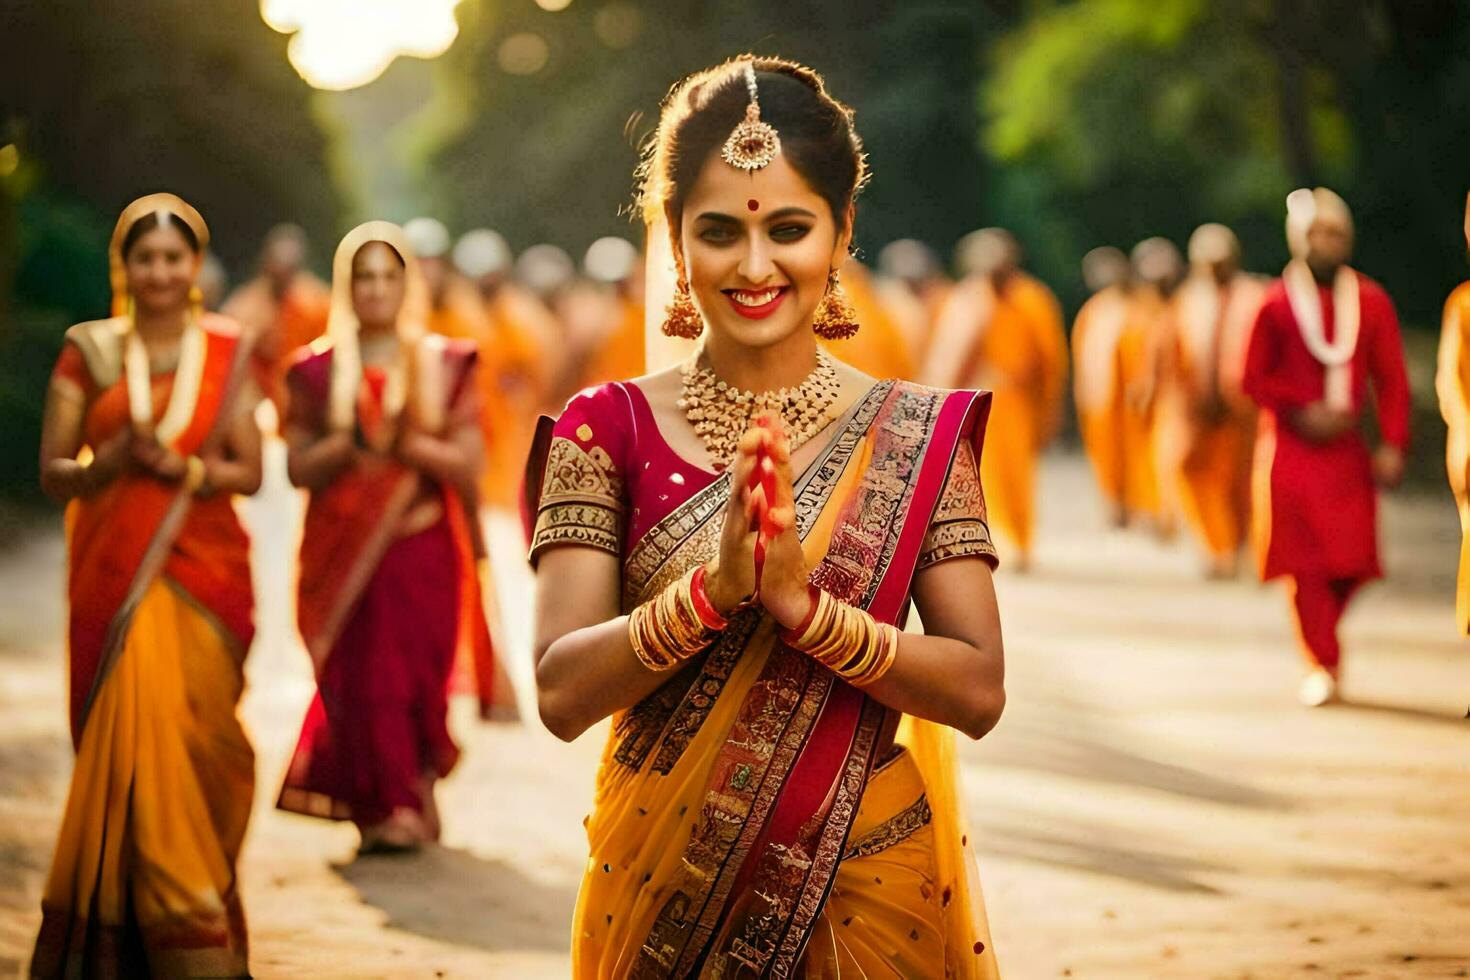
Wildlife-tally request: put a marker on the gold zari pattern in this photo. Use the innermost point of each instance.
(959, 528)
(581, 500)
(896, 829)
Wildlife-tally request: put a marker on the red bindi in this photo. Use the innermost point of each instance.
(753, 204)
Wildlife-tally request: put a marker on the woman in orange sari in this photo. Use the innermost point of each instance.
(725, 550)
(383, 429)
(148, 433)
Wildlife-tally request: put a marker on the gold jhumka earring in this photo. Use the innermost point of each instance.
(681, 318)
(835, 318)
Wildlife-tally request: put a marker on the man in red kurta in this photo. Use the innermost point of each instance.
(1325, 335)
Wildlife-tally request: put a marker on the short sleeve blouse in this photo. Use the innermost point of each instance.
(960, 528)
(583, 498)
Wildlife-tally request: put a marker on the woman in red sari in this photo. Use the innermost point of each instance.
(383, 430)
(148, 433)
(724, 550)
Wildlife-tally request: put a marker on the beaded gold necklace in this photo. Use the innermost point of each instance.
(721, 413)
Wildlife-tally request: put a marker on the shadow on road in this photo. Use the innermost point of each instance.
(1078, 847)
(1080, 749)
(1408, 712)
(457, 897)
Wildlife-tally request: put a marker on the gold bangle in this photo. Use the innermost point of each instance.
(195, 473)
(666, 630)
(887, 652)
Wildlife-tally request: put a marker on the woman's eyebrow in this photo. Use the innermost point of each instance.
(789, 212)
(727, 219)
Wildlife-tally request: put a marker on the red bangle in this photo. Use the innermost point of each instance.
(708, 615)
(792, 635)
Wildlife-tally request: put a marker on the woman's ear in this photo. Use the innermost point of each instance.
(842, 249)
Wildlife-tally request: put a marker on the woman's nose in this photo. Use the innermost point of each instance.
(756, 265)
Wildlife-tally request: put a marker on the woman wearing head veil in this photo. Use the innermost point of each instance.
(383, 429)
(724, 550)
(147, 435)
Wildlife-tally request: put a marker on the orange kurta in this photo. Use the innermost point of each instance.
(1141, 373)
(512, 385)
(1018, 350)
(279, 327)
(620, 356)
(1453, 385)
(1098, 391)
(1211, 328)
(878, 348)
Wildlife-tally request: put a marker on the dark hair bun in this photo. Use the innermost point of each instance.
(699, 113)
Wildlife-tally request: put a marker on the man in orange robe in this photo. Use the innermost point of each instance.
(1325, 346)
(912, 287)
(878, 348)
(615, 350)
(1096, 383)
(1001, 330)
(1213, 313)
(1452, 382)
(1152, 417)
(284, 308)
(513, 373)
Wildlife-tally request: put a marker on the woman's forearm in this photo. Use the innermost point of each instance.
(946, 681)
(446, 461)
(313, 466)
(587, 674)
(67, 479)
(233, 476)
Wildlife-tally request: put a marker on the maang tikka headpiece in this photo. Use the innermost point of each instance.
(753, 144)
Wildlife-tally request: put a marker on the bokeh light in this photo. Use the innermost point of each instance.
(9, 159)
(341, 44)
(523, 54)
(553, 5)
(618, 25)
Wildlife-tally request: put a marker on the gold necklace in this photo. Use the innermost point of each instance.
(721, 413)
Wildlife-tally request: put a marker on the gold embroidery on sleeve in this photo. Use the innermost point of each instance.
(959, 528)
(581, 500)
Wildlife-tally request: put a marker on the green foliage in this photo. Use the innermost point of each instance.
(120, 99)
(1114, 120)
(28, 349)
(550, 156)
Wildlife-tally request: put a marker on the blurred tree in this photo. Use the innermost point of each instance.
(121, 99)
(1113, 120)
(538, 127)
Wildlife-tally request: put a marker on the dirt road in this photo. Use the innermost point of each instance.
(1153, 804)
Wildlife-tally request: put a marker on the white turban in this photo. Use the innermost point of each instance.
(1304, 207)
(428, 237)
(1212, 243)
(611, 259)
(480, 252)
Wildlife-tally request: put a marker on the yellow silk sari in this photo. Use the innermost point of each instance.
(744, 823)
(143, 881)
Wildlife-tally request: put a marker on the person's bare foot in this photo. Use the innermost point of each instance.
(432, 825)
(1318, 688)
(402, 832)
(1222, 567)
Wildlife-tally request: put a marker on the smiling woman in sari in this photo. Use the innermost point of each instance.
(147, 434)
(383, 430)
(725, 551)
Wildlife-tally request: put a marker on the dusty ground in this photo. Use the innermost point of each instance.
(1153, 804)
